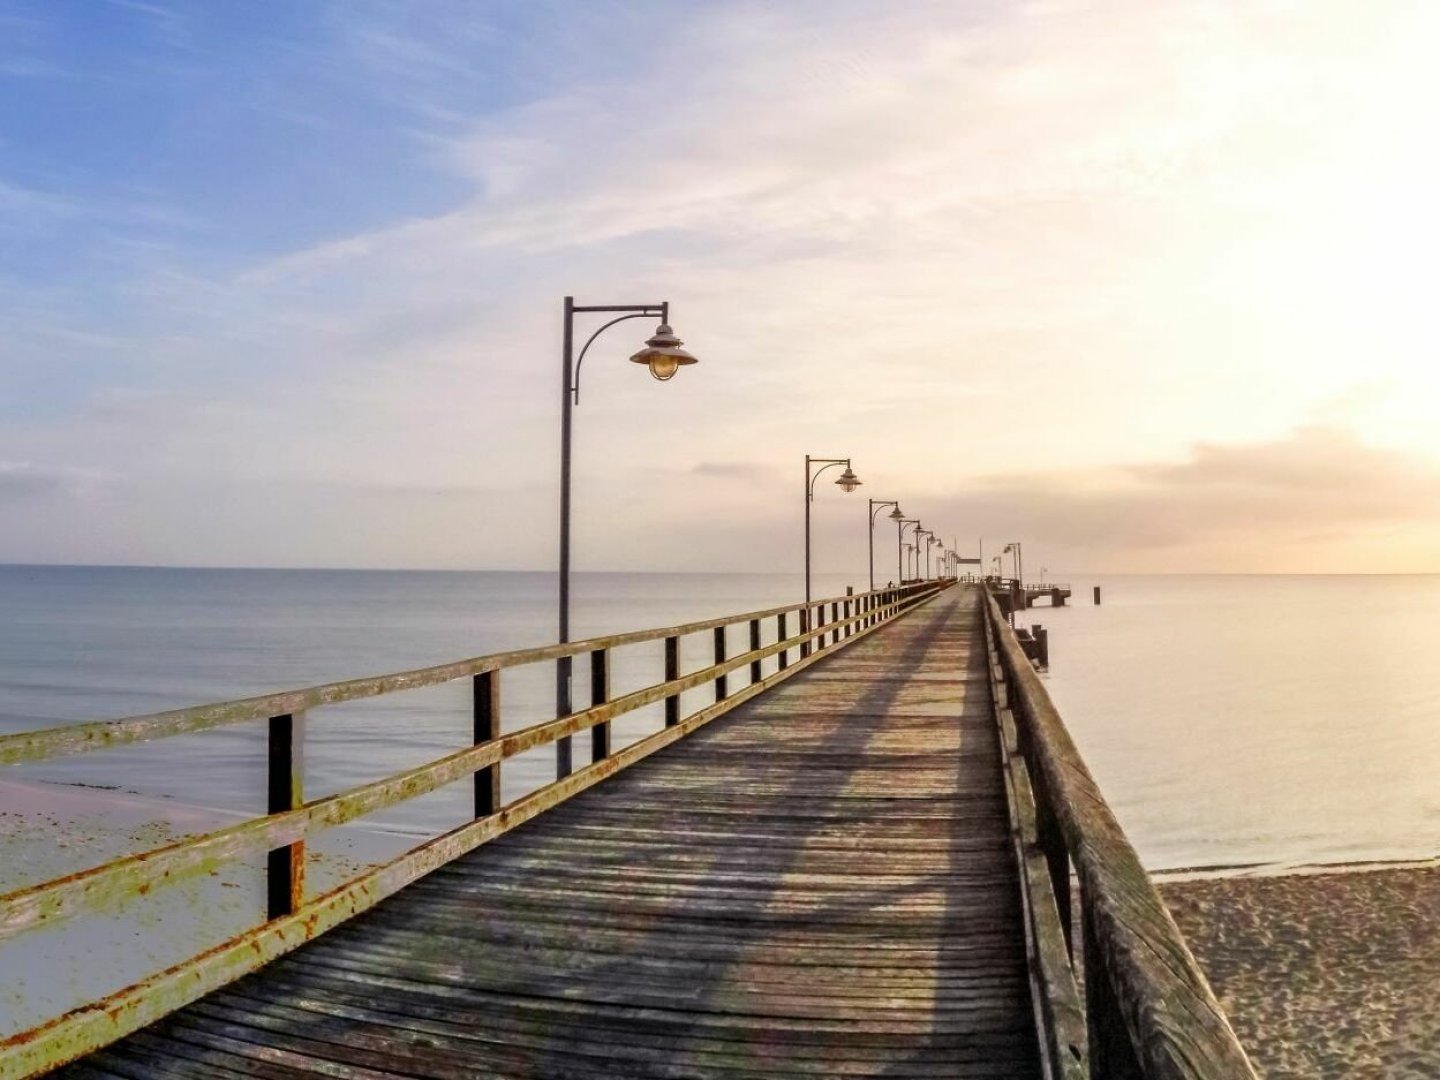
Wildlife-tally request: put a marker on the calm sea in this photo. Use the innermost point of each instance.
(1236, 721)
(1230, 720)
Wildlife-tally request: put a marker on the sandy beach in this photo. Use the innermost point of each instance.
(1331, 974)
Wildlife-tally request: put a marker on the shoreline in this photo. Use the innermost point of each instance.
(1229, 871)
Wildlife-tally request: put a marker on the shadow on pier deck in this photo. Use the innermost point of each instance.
(821, 883)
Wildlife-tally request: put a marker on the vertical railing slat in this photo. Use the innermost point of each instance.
(487, 727)
(285, 866)
(780, 635)
(564, 706)
(599, 694)
(755, 674)
(672, 671)
(722, 682)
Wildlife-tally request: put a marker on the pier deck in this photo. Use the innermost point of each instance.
(820, 883)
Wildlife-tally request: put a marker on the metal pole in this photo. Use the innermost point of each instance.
(871, 563)
(899, 552)
(807, 529)
(563, 665)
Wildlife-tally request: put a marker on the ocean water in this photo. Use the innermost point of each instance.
(1269, 721)
(1253, 722)
(1230, 720)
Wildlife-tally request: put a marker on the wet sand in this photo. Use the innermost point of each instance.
(1328, 974)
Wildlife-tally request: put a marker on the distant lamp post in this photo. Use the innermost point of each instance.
(847, 483)
(876, 505)
(919, 547)
(1013, 548)
(663, 355)
(1043, 571)
(934, 540)
(901, 524)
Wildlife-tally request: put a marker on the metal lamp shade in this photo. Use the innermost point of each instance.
(662, 354)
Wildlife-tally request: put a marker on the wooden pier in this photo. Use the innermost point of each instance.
(855, 865)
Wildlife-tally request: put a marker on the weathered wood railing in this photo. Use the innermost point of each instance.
(1146, 1012)
(292, 917)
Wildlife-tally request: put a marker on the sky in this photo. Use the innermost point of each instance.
(1146, 285)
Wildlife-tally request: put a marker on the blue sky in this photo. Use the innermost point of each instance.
(1048, 269)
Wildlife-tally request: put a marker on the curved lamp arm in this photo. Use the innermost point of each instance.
(648, 313)
(830, 463)
(876, 506)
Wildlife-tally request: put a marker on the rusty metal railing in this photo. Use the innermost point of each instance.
(293, 917)
(1141, 1009)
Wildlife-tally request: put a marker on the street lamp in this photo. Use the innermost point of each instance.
(847, 483)
(900, 526)
(663, 355)
(896, 514)
(932, 542)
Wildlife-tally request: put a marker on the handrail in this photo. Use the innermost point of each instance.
(77, 738)
(294, 918)
(1150, 1013)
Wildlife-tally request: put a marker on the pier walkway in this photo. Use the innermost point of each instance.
(820, 883)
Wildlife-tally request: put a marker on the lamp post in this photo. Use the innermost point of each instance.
(932, 542)
(663, 355)
(919, 546)
(900, 526)
(1013, 548)
(876, 505)
(847, 483)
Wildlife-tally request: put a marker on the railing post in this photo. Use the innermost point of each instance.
(487, 727)
(599, 694)
(672, 671)
(755, 675)
(722, 682)
(849, 626)
(834, 618)
(804, 629)
(1051, 842)
(285, 866)
(780, 636)
(1111, 1054)
(564, 706)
